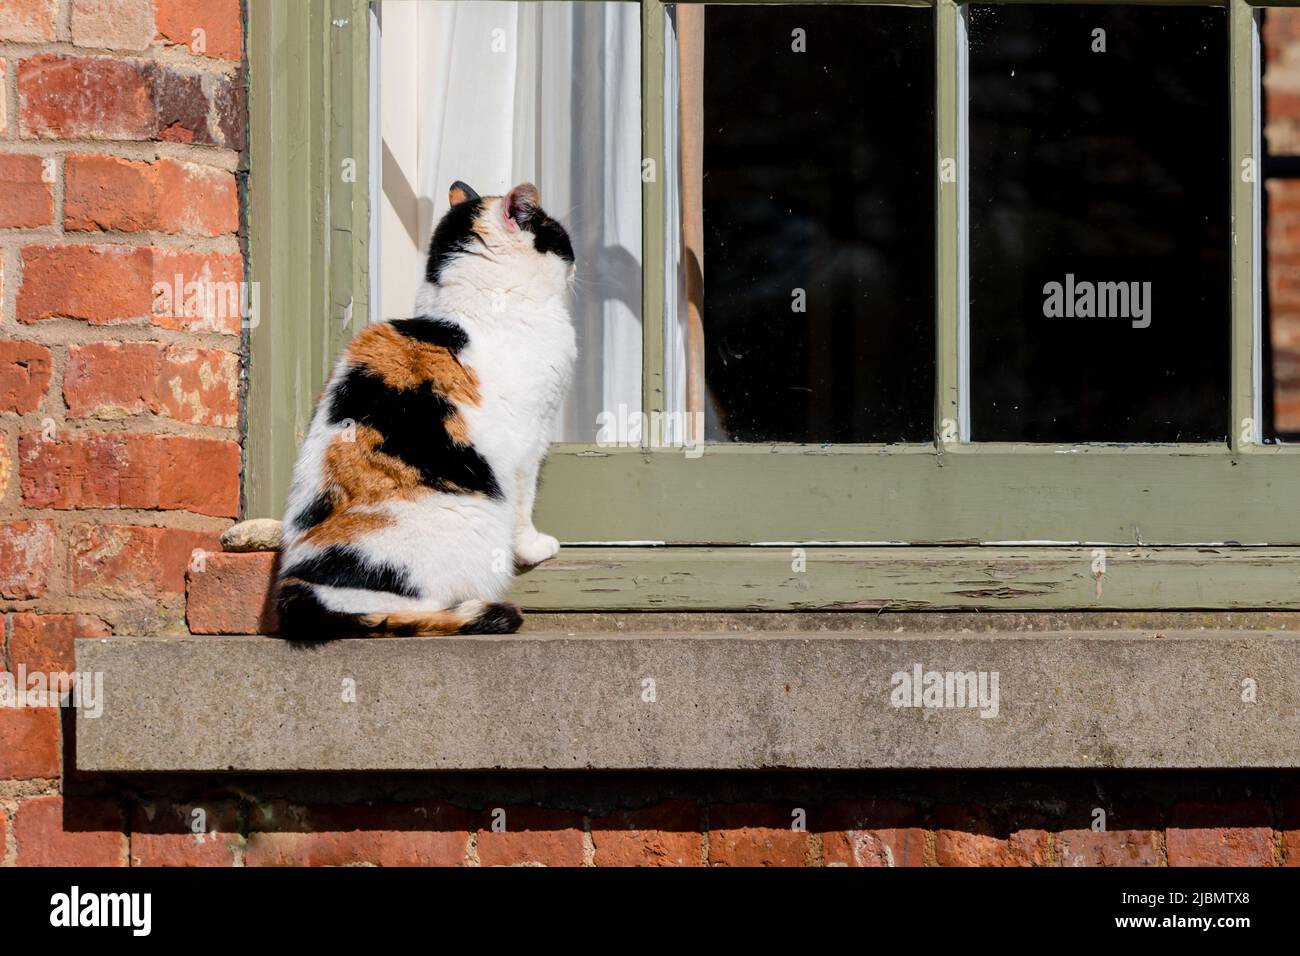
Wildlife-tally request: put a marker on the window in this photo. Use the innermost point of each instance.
(816, 132)
(922, 305)
(1099, 168)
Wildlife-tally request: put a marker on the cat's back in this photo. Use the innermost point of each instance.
(391, 427)
(421, 355)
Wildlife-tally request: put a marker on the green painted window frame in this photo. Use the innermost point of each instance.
(945, 524)
(308, 221)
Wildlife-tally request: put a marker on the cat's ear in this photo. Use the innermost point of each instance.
(459, 193)
(519, 206)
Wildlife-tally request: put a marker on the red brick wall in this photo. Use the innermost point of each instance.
(120, 149)
(1282, 135)
(121, 141)
(871, 820)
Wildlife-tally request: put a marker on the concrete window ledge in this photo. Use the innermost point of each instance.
(690, 701)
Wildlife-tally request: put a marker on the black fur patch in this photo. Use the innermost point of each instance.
(305, 620)
(548, 236)
(412, 422)
(497, 618)
(340, 566)
(317, 510)
(454, 234)
(433, 331)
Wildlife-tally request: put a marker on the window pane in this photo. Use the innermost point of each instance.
(498, 93)
(1099, 186)
(818, 187)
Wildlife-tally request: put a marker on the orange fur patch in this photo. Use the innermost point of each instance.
(415, 623)
(404, 363)
(457, 428)
(358, 473)
(345, 526)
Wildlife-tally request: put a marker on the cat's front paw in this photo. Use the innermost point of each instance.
(533, 547)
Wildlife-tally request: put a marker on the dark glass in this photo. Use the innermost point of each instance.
(1111, 167)
(819, 174)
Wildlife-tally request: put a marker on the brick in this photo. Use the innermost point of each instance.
(1287, 414)
(113, 24)
(197, 292)
(44, 642)
(871, 833)
(533, 836)
(69, 831)
(6, 468)
(173, 289)
(164, 833)
(1086, 847)
(28, 21)
(112, 98)
(418, 834)
(24, 375)
(196, 200)
(1289, 825)
(90, 470)
(29, 742)
(1281, 27)
(1228, 833)
(221, 33)
(86, 98)
(4, 835)
(199, 386)
(970, 836)
(667, 834)
(119, 560)
(112, 379)
(755, 834)
(103, 470)
(232, 594)
(200, 474)
(200, 108)
(111, 193)
(26, 199)
(26, 555)
(101, 284)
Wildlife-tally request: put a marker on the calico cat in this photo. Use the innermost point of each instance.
(413, 493)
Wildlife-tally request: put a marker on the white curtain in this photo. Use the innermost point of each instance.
(546, 92)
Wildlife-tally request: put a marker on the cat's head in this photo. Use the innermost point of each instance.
(488, 239)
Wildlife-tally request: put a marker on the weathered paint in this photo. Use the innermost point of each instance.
(949, 280)
(913, 579)
(742, 494)
(1244, 145)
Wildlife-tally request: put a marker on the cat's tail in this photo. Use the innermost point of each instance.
(471, 617)
(304, 619)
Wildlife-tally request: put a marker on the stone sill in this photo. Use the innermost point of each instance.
(721, 701)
